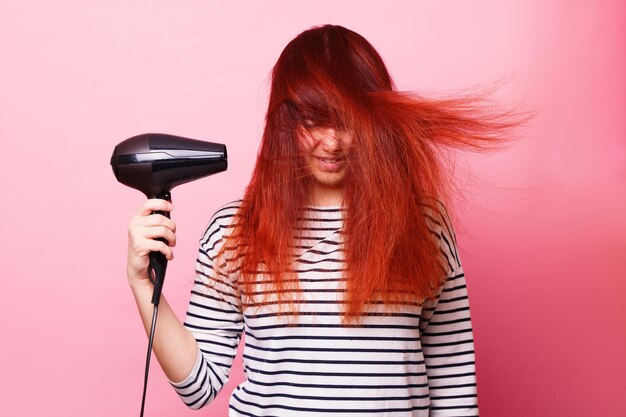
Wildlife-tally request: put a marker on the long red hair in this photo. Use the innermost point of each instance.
(331, 76)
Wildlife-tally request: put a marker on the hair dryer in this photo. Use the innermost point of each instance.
(154, 163)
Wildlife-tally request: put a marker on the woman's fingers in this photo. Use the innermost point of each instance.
(154, 204)
(156, 232)
(152, 227)
(146, 228)
(144, 231)
(158, 246)
(158, 220)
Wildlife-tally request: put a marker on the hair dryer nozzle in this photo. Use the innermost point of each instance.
(154, 163)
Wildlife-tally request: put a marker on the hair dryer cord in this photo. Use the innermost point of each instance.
(155, 312)
(156, 274)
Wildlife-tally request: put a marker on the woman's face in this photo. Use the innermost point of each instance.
(325, 151)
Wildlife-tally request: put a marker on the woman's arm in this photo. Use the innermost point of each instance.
(447, 337)
(174, 346)
(214, 318)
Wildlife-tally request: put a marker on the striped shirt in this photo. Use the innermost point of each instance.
(414, 360)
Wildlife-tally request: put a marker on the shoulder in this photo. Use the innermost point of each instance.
(437, 216)
(439, 222)
(226, 213)
(220, 222)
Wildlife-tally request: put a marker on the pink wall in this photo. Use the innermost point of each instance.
(542, 231)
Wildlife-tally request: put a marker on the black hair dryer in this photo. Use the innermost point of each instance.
(154, 163)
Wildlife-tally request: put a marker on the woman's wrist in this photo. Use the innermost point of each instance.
(140, 285)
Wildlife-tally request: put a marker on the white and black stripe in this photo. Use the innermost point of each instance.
(413, 360)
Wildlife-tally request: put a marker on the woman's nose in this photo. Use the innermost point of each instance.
(330, 140)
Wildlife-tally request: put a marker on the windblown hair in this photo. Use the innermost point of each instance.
(332, 76)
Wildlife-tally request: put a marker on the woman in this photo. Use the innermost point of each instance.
(340, 262)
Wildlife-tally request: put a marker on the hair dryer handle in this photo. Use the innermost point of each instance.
(156, 271)
(158, 261)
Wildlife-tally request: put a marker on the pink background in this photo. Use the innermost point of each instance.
(542, 230)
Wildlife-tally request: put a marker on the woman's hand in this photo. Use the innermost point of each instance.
(143, 230)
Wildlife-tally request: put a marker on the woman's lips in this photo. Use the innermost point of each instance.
(331, 164)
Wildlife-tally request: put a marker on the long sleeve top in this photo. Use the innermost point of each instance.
(417, 360)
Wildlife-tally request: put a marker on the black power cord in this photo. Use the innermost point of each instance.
(156, 274)
(155, 312)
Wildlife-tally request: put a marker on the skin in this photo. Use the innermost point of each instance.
(174, 346)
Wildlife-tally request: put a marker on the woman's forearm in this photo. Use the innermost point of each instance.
(174, 346)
